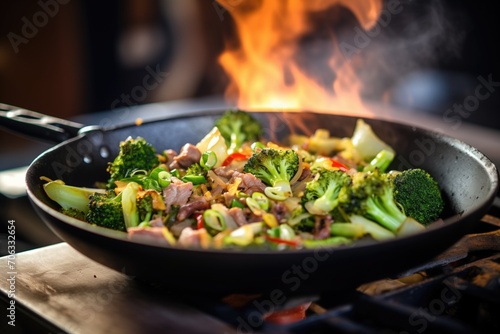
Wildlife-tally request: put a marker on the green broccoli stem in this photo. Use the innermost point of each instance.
(236, 139)
(375, 230)
(69, 197)
(347, 230)
(280, 191)
(329, 200)
(329, 242)
(385, 211)
(381, 161)
(280, 185)
(147, 218)
(129, 205)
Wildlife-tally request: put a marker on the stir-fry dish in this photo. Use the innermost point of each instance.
(234, 189)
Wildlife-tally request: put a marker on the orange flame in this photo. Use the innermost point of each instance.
(263, 70)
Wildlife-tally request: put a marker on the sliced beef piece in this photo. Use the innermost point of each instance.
(150, 235)
(188, 209)
(224, 172)
(280, 210)
(322, 227)
(169, 156)
(306, 172)
(249, 183)
(238, 216)
(228, 199)
(157, 222)
(188, 155)
(190, 237)
(177, 193)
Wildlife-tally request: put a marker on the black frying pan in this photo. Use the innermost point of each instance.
(468, 179)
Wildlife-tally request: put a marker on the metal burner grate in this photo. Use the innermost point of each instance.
(457, 292)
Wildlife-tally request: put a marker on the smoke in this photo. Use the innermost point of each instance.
(421, 35)
(408, 36)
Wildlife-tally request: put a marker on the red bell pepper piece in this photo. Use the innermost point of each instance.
(339, 165)
(199, 221)
(292, 243)
(236, 156)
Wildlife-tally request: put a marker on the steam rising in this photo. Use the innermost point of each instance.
(417, 37)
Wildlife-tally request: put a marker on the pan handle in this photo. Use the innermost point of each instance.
(37, 125)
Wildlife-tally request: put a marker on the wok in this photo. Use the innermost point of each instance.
(468, 179)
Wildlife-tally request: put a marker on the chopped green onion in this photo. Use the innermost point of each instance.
(149, 183)
(241, 194)
(243, 235)
(274, 232)
(208, 160)
(213, 221)
(175, 173)
(164, 179)
(286, 232)
(155, 172)
(262, 200)
(195, 179)
(276, 193)
(254, 206)
(138, 172)
(237, 204)
(282, 231)
(257, 146)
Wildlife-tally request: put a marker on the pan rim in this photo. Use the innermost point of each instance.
(471, 151)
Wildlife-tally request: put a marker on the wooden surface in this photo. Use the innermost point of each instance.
(78, 295)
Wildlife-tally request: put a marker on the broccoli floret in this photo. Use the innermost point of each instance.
(135, 154)
(301, 220)
(321, 194)
(75, 213)
(106, 210)
(275, 167)
(145, 208)
(371, 195)
(237, 127)
(195, 174)
(419, 195)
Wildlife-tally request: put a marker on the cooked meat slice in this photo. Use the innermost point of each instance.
(188, 155)
(225, 172)
(157, 222)
(147, 234)
(322, 227)
(238, 216)
(280, 210)
(177, 193)
(187, 209)
(169, 156)
(228, 199)
(191, 238)
(306, 172)
(249, 183)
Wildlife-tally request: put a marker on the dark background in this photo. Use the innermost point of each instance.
(90, 53)
(75, 63)
(82, 59)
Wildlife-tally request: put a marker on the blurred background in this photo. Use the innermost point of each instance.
(79, 59)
